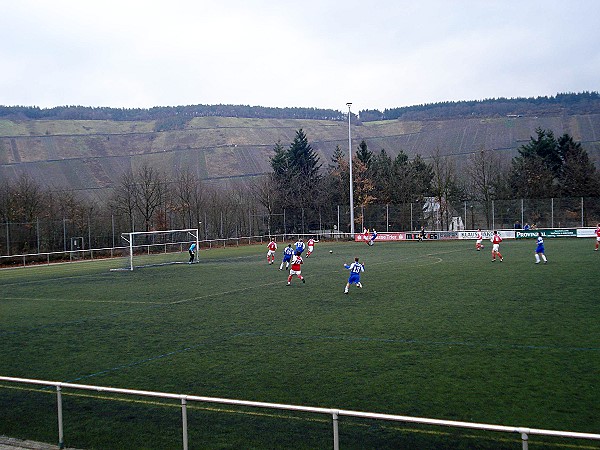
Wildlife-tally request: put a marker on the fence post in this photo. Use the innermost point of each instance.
(387, 217)
(552, 212)
(582, 211)
(184, 422)
(89, 235)
(37, 232)
(7, 238)
(61, 437)
(493, 215)
(525, 440)
(64, 234)
(336, 434)
(522, 214)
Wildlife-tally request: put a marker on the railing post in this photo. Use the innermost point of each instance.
(61, 437)
(336, 434)
(525, 439)
(184, 422)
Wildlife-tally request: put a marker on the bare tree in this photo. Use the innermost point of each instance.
(150, 193)
(124, 197)
(187, 199)
(444, 185)
(265, 193)
(484, 171)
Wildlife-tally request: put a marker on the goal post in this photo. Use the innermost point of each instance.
(157, 248)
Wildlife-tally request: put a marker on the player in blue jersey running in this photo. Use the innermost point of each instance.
(539, 250)
(355, 269)
(288, 252)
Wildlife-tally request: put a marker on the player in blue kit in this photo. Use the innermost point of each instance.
(288, 252)
(355, 269)
(299, 246)
(373, 237)
(539, 250)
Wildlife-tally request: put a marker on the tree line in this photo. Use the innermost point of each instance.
(301, 193)
(174, 117)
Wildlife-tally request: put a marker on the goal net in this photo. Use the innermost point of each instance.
(159, 248)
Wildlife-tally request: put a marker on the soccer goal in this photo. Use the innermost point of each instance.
(159, 248)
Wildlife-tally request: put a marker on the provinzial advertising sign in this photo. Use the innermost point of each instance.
(556, 232)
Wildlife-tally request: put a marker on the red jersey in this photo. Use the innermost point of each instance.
(496, 239)
(296, 261)
(272, 246)
(479, 236)
(598, 232)
(311, 242)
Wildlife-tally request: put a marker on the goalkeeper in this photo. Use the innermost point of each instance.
(192, 252)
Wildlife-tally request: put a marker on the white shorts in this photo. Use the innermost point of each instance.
(295, 272)
(479, 241)
(598, 238)
(270, 252)
(310, 248)
(496, 248)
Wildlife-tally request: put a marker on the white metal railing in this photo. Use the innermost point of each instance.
(334, 413)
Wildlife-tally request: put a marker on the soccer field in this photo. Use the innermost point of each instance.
(437, 331)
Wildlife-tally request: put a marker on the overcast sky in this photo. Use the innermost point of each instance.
(299, 53)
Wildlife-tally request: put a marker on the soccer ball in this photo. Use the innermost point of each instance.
(330, 251)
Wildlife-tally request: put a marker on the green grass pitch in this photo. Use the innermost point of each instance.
(437, 331)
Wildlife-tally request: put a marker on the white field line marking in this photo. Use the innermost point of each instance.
(79, 300)
(46, 280)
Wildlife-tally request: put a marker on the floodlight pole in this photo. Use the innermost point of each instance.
(349, 104)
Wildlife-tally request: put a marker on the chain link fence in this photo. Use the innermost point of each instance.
(104, 231)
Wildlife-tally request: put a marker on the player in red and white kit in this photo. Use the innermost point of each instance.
(311, 246)
(597, 237)
(366, 236)
(296, 268)
(272, 246)
(478, 244)
(496, 239)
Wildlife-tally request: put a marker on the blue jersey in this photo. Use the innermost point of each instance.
(287, 254)
(299, 247)
(540, 245)
(193, 247)
(355, 269)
